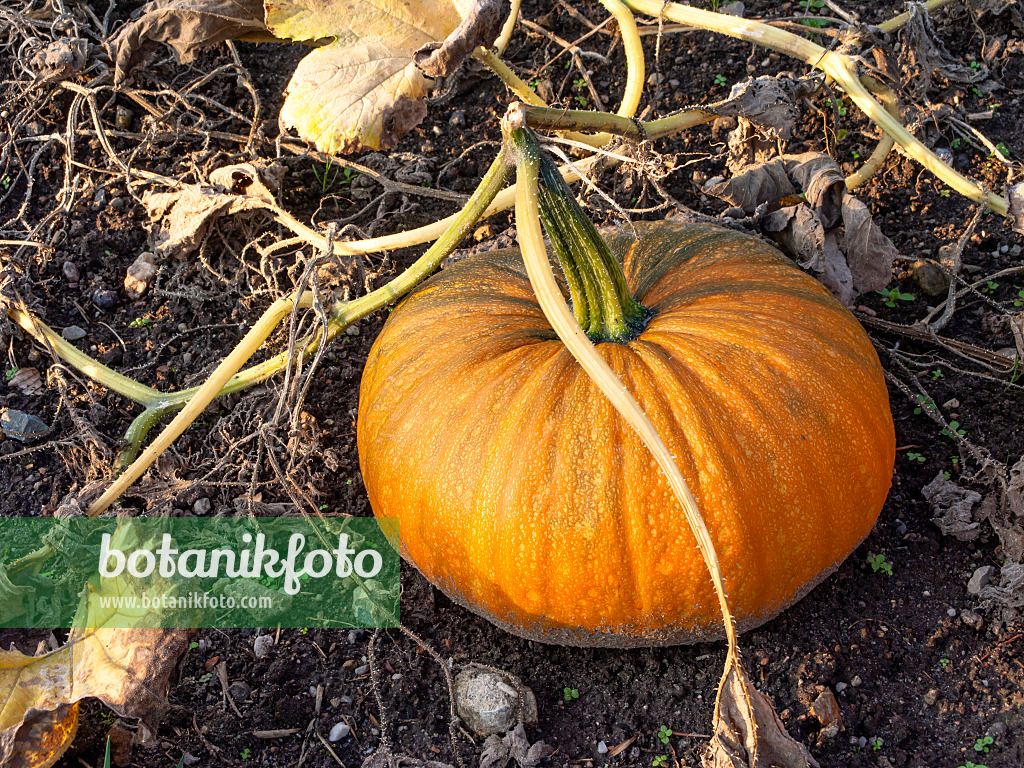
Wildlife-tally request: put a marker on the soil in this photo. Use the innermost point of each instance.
(921, 669)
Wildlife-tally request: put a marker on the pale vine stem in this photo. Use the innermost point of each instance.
(557, 312)
(506, 31)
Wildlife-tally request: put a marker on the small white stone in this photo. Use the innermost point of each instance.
(840, 687)
(602, 748)
(339, 731)
(261, 645)
(856, 681)
(951, 612)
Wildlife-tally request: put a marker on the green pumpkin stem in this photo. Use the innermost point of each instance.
(601, 301)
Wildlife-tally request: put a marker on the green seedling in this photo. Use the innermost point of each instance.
(720, 79)
(206, 678)
(193, 645)
(956, 143)
(878, 563)
(982, 744)
(944, 192)
(5, 182)
(893, 295)
(977, 92)
(141, 322)
(954, 429)
(1019, 302)
(664, 734)
(246, 754)
(1002, 150)
(969, 764)
(990, 286)
(919, 458)
(974, 65)
(570, 693)
(944, 663)
(938, 374)
(9, 373)
(660, 760)
(875, 742)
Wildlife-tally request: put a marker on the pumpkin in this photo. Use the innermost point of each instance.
(522, 495)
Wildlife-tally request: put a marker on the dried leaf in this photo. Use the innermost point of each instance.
(835, 273)
(953, 508)
(748, 733)
(494, 753)
(869, 252)
(747, 146)
(999, 7)
(60, 60)
(923, 55)
(27, 381)
(363, 90)
(762, 183)
(1010, 590)
(186, 26)
(185, 216)
(1015, 199)
(799, 231)
(766, 101)
(481, 25)
(129, 670)
(822, 182)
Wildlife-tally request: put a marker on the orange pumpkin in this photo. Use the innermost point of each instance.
(522, 495)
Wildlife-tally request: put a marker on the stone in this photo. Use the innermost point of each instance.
(980, 578)
(22, 426)
(140, 275)
(352, 330)
(931, 697)
(602, 748)
(339, 731)
(489, 703)
(123, 118)
(71, 272)
(840, 687)
(458, 119)
(972, 619)
(930, 277)
(202, 506)
(73, 333)
(105, 299)
(361, 670)
(826, 709)
(856, 682)
(239, 691)
(261, 645)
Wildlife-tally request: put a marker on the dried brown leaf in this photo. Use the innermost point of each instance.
(822, 182)
(748, 733)
(766, 101)
(186, 26)
(1015, 199)
(953, 508)
(481, 25)
(747, 146)
(799, 231)
(762, 183)
(27, 380)
(923, 55)
(869, 252)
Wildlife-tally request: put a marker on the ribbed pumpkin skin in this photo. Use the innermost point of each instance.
(522, 495)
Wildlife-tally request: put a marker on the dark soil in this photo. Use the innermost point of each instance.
(921, 669)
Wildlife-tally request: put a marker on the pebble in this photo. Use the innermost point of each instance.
(931, 697)
(840, 687)
(123, 118)
(951, 612)
(116, 204)
(458, 119)
(352, 330)
(980, 578)
(972, 619)
(140, 275)
(189, 759)
(339, 731)
(602, 748)
(105, 299)
(856, 681)
(73, 333)
(70, 270)
(361, 670)
(202, 506)
(239, 691)
(261, 645)
(346, 701)
(932, 280)
(22, 426)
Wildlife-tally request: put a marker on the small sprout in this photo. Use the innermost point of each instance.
(944, 192)
(954, 429)
(944, 663)
(946, 475)
(841, 134)
(581, 100)
(938, 374)
(1002, 150)
(982, 744)
(956, 143)
(246, 754)
(1019, 302)
(989, 286)
(141, 322)
(875, 742)
(926, 402)
(664, 734)
(856, 156)
(9, 373)
(206, 678)
(893, 295)
(720, 79)
(977, 92)
(193, 645)
(660, 760)
(973, 65)
(969, 764)
(919, 458)
(5, 182)
(878, 563)
(579, 82)
(570, 693)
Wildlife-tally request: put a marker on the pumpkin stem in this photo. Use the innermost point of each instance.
(601, 301)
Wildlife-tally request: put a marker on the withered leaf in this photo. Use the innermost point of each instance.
(748, 733)
(27, 380)
(762, 183)
(869, 252)
(766, 101)
(186, 215)
(923, 55)
(822, 182)
(799, 231)
(186, 26)
(1015, 200)
(952, 507)
(480, 25)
